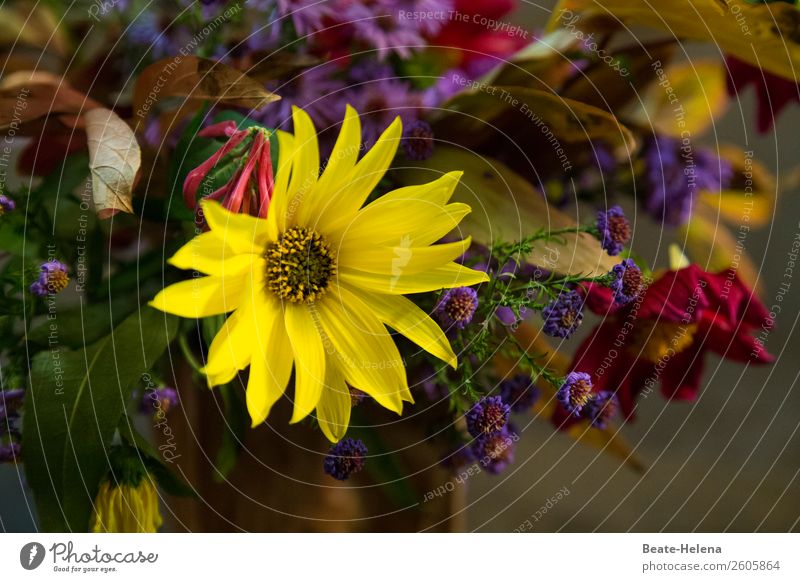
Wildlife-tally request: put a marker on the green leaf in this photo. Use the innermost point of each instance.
(75, 404)
(76, 327)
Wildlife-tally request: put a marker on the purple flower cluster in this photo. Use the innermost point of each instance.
(675, 174)
(578, 400)
(457, 306)
(563, 315)
(613, 229)
(53, 278)
(575, 392)
(345, 458)
(627, 281)
(418, 141)
(10, 401)
(159, 401)
(6, 204)
(493, 446)
(487, 416)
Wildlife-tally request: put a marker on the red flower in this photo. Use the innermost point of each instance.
(662, 337)
(250, 188)
(773, 93)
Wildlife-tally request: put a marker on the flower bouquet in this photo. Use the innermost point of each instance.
(388, 236)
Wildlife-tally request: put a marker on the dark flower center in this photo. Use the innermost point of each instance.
(461, 306)
(300, 265)
(620, 229)
(632, 282)
(580, 393)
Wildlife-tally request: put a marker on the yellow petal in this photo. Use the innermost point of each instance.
(418, 222)
(438, 191)
(402, 258)
(232, 347)
(333, 410)
(446, 277)
(361, 181)
(306, 167)
(211, 256)
(271, 365)
(364, 350)
(309, 359)
(406, 318)
(338, 169)
(279, 204)
(241, 232)
(202, 296)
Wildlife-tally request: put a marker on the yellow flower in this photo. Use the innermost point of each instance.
(126, 508)
(314, 285)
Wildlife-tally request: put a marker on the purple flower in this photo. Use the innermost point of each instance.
(431, 14)
(159, 401)
(452, 82)
(487, 416)
(520, 392)
(563, 315)
(602, 408)
(308, 16)
(626, 281)
(675, 174)
(418, 141)
(575, 392)
(380, 24)
(6, 204)
(507, 317)
(614, 230)
(146, 32)
(379, 101)
(345, 458)
(10, 401)
(315, 90)
(457, 306)
(495, 451)
(53, 278)
(10, 453)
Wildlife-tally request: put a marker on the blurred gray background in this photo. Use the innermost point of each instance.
(728, 462)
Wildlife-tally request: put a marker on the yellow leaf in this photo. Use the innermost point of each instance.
(505, 207)
(114, 160)
(764, 35)
(710, 244)
(698, 96)
(527, 117)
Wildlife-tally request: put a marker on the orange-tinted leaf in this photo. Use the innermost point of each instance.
(196, 78)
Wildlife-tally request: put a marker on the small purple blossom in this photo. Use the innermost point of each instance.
(6, 204)
(457, 306)
(507, 317)
(576, 392)
(614, 230)
(159, 401)
(381, 25)
(308, 16)
(53, 278)
(345, 458)
(146, 32)
(675, 174)
(602, 408)
(627, 281)
(519, 392)
(418, 141)
(10, 453)
(379, 100)
(495, 451)
(563, 315)
(487, 416)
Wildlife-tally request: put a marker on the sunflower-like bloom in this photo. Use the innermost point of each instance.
(126, 508)
(314, 285)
